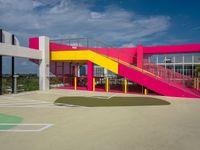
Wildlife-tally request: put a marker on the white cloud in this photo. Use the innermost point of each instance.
(73, 19)
(65, 18)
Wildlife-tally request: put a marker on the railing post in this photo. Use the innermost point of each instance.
(195, 83)
(75, 83)
(125, 86)
(183, 69)
(94, 83)
(87, 43)
(145, 91)
(107, 84)
(157, 67)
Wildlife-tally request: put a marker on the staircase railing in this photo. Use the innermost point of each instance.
(168, 74)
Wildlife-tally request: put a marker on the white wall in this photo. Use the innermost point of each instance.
(7, 38)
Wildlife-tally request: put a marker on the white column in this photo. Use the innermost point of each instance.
(44, 63)
(105, 72)
(78, 70)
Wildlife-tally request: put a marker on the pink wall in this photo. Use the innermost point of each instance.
(59, 47)
(34, 43)
(188, 48)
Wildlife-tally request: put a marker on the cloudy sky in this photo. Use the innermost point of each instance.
(116, 22)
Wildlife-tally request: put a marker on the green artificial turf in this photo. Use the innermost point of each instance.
(114, 101)
(4, 118)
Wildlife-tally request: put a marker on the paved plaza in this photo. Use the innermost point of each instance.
(46, 126)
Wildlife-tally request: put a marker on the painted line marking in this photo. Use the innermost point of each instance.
(46, 126)
(24, 103)
(111, 96)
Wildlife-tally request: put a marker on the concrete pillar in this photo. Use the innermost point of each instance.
(90, 73)
(44, 63)
(139, 56)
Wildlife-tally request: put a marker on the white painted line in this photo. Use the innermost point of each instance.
(16, 101)
(46, 125)
(22, 104)
(111, 96)
(27, 106)
(21, 99)
(68, 105)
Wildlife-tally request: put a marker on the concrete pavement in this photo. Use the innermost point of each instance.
(175, 126)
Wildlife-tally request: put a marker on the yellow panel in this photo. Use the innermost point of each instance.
(85, 55)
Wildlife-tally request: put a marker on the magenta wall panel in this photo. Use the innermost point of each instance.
(188, 48)
(90, 73)
(34, 43)
(59, 47)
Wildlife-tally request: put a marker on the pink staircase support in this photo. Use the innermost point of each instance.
(161, 87)
(139, 56)
(90, 71)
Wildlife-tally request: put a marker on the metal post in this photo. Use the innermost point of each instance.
(93, 84)
(183, 68)
(75, 83)
(107, 84)
(157, 65)
(145, 91)
(174, 67)
(1, 35)
(1, 73)
(165, 66)
(15, 83)
(87, 43)
(13, 67)
(192, 66)
(125, 85)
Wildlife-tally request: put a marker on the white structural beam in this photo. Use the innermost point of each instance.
(19, 51)
(44, 63)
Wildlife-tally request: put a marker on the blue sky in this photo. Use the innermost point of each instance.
(116, 22)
